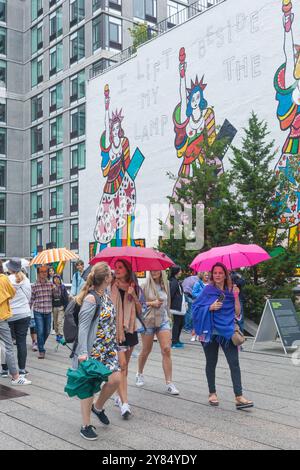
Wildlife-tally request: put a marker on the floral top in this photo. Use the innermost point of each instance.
(105, 346)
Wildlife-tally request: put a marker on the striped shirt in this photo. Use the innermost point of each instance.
(41, 297)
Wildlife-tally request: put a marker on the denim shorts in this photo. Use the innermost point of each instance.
(165, 326)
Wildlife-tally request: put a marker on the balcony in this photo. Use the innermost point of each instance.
(74, 59)
(52, 71)
(73, 98)
(53, 177)
(40, 79)
(39, 214)
(52, 108)
(115, 45)
(52, 212)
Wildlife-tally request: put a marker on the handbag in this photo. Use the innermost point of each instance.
(237, 338)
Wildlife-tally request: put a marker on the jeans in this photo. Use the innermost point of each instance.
(5, 336)
(43, 328)
(20, 328)
(178, 322)
(211, 351)
(188, 319)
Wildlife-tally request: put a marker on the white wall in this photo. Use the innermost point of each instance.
(237, 46)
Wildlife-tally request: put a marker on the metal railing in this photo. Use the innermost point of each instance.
(200, 6)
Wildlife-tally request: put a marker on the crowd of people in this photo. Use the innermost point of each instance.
(114, 312)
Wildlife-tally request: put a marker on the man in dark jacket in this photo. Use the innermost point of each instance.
(178, 306)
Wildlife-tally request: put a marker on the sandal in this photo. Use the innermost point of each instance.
(213, 399)
(241, 403)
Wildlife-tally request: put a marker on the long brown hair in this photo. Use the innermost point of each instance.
(227, 280)
(95, 279)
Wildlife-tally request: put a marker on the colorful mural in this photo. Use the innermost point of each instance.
(287, 85)
(193, 118)
(116, 213)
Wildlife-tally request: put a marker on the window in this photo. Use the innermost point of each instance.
(114, 28)
(2, 174)
(74, 229)
(56, 201)
(2, 110)
(77, 47)
(78, 122)
(3, 10)
(74, 197)
(115, 4)
(36, 71)
(97, 4)
(77, 86)
(36, 9)
(56, 59)
(2, 241)
(36, 139)
(36, 238)
(36, 172)
(76, 11)
(36, 107)
(56, 24)
(2, 207)
(36, 38)
(56, 166)
(145, 9)
(56, 97)
(56, 234)
(36, 206)
(3, 41)
(2, 141)
(97, 22)
(77, 158)
(56, 131)
(2, 73)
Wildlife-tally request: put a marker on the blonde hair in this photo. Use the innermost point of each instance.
(95, 279)
(20, 276)
(150, 287)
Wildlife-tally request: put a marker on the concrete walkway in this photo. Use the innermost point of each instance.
(47, 419)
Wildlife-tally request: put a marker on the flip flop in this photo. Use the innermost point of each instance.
(244, 406)
(214, 402)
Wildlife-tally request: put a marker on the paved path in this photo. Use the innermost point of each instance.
(47, 419)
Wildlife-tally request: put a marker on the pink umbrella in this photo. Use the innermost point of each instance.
(232, 256)
(141, 259)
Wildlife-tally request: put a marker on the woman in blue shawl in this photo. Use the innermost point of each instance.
(214, 314)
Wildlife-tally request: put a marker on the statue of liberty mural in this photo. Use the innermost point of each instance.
(287, 85)
(116, 213)
(193, 118)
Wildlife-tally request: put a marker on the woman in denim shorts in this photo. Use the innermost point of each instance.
(157, 322)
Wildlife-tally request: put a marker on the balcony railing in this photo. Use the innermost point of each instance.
(153, 31)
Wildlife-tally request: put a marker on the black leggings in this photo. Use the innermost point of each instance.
(211, 351)
(20, 329)
(178, 323)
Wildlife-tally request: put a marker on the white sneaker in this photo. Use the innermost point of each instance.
(139, 380)
(118, 401)
(171, 389)
(125, 411)
(193, 338)
(21, 380)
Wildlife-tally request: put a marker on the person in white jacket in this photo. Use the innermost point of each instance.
(20, 308)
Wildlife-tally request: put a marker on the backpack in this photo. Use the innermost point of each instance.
(71, 321)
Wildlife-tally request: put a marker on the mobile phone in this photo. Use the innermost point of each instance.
(221, 298)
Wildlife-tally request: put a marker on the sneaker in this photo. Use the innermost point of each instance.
(193, 338)
(53, 332)
(21, 380)
(4, 374)
(118, 401)
(125, 411)
(101, 415)
(139, 380)
(41, 355)
(23, 372)
(34, 346)
(179, 345)
(171, 389)
(87, 432)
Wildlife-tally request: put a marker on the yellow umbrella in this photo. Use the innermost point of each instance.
(53, 256)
